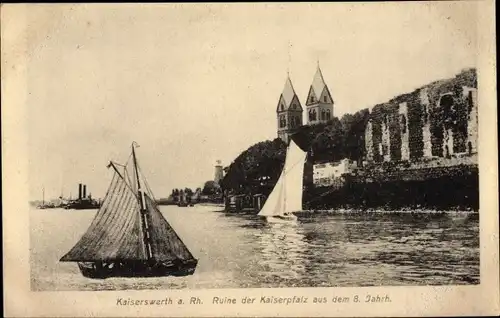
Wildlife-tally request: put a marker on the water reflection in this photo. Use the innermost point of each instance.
(282, 250)
(238, 250)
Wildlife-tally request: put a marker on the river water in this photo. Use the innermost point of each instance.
(237, 251)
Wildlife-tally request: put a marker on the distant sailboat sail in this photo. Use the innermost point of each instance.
(286, 196)
(130, 237)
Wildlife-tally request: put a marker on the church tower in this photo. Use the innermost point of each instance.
(319, 102)
(289, 112)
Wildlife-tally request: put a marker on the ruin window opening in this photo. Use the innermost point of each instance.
(403, 124)
(447, 105)
(470, 102)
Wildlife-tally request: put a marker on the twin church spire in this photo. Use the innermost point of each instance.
(319, 105)
(318, 92)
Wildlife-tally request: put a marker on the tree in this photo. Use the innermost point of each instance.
(354, 134)
(210, 188)
(175, 195)
(246, 172)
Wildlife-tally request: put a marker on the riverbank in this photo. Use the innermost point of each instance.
(211, 204)
(436, 192)
(416, 213)
(407, 212)
(166, 203)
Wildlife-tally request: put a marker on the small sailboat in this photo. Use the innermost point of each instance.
(43, 206)
(286, 196)
(129, 237)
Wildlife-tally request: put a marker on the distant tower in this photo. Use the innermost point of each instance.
(319, 100)
(218, 172)
(289, 112)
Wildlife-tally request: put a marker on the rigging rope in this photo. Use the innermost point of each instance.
(128, 176)
(146, 184)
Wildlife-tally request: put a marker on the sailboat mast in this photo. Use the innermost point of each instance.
(43, 195)
(137, 175)
(144, 220)
(284, 178)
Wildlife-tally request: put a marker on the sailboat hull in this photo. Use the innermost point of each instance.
(281, 218)
(98, 270)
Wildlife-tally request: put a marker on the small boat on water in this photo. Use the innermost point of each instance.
(45, 205)
(82, 204)
(129, 237)
(286, 196)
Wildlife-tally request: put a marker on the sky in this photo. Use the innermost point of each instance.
(192, 84)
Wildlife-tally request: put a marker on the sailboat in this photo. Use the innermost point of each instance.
(129, 237)
(42, 206)
(286, 196)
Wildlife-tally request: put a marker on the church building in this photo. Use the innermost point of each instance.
(319, 101)
(289, 112)
(319, 105)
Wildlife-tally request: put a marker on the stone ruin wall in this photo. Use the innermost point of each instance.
(440, 120)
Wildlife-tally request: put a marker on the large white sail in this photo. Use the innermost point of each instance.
(286, 196)
(274, 204)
